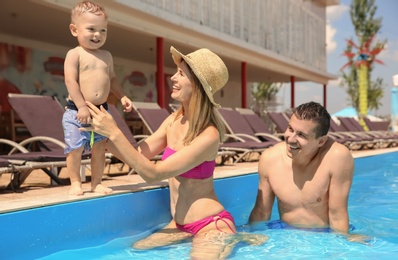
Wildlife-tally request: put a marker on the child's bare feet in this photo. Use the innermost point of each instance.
(76, 189)
(101, 189)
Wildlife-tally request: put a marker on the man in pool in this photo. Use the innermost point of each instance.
(309, 174)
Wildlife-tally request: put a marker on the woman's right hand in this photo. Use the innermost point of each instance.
(101, 121)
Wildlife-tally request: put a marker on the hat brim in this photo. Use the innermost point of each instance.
(178, 57)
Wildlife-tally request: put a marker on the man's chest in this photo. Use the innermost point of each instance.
(294, 190)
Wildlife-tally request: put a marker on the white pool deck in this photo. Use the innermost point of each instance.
(38, 192)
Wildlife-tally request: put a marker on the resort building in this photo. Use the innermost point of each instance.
(259, 40)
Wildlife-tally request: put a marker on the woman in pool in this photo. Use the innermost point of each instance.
(190, 139)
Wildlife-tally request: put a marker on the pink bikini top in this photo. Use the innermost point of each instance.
(202, 171)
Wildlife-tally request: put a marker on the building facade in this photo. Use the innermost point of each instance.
(259, 40)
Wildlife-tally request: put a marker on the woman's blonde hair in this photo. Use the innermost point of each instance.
(201, 113)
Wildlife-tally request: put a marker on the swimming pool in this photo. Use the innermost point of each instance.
(104, 228)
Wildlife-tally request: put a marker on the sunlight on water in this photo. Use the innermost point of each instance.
(373, 209)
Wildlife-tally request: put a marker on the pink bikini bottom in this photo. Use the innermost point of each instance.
(194, 227)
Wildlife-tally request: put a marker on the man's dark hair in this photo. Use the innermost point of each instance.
(317, 113)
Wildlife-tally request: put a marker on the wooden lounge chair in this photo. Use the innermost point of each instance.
(383, 128)
(350, 140)
(353, 126)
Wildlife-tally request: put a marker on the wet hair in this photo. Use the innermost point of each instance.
(201, 112)
(87, 7)
(316, 113)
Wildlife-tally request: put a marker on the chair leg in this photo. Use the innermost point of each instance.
(83, 173)
(240, 157)
(53, 173)
(132, 171)
(17, 178)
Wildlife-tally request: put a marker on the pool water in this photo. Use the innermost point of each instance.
(373, 210)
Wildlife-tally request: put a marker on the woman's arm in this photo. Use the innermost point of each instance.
(204, 146)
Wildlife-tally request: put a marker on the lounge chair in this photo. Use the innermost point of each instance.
(380, 140)
(17, 172)
(121, 123)
(280, 120)
(238, 125)
(382, 126)
(152, 115)
(258, 125)
(352, 141)
(42, 116)
(21, 162)
(242, 138)
(133, 139)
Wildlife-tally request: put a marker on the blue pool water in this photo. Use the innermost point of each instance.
(105, 228)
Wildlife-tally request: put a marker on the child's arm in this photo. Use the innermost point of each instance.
(71, 71)
(117, 90)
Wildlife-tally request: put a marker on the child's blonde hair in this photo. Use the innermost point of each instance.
(87, 7)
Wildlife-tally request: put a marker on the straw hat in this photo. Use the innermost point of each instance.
(208, 68)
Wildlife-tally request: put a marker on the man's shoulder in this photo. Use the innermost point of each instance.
(274, 151)
(338, 151)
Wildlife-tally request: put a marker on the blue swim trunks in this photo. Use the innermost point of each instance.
(279, 224)
(74, 138)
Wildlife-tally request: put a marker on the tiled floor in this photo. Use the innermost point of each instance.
(37, 191)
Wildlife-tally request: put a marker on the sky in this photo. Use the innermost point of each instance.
(339, 28)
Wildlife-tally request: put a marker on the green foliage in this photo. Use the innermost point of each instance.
(265, 91)
(362, 17)
(375, 94)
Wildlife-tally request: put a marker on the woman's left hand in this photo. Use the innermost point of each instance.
(101, 121)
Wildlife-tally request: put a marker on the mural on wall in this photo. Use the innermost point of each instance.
(136, 87)
(31, 71)
(23, 70)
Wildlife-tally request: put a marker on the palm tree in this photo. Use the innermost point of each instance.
(365, 57)
(264, 95)
(363, 92)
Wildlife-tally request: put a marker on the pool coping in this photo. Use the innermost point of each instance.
(53, 195)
